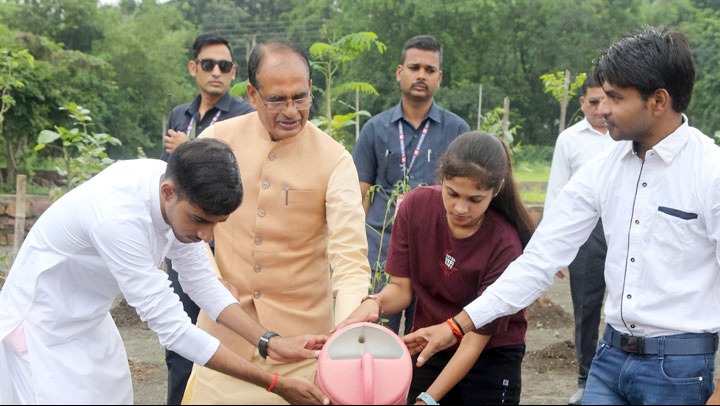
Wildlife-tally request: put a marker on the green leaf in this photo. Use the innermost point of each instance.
(47, 137)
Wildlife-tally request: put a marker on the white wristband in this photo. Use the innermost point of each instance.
(427, 399)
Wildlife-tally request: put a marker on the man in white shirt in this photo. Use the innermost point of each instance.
(575, 146)
(58, 341)
(658, 193)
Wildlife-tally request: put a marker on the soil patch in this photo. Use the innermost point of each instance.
(543, 313)
(553, 357)
(125, 315)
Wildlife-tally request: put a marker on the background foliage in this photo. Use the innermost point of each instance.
(126, 62)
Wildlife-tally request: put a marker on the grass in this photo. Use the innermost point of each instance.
(535, 173)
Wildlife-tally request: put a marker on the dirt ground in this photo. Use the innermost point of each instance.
(549, 368)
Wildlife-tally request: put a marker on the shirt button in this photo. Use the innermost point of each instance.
(637, 221)
(266, 184)
(256, 295)
(272, 156)
(258, 240)
(644, 184)
(258, 268)
(261, 213)
(629, 296)
(631, 326)
(632, 259)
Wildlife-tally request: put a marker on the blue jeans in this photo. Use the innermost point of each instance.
(621, 378)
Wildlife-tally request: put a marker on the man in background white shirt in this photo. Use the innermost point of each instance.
(658, 193)
(573, 148)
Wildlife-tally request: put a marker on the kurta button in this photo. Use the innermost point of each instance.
(644, 184)
(629, 296)
(266, 184)
(261, 213)
(631, 326)
(632, 259)
(256, 295)
(258, 268)
(637, 221)
(272, 156)
(258, 240)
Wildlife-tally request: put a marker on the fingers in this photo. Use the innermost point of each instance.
(425, 354)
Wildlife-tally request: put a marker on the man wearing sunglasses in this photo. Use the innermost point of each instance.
(212, 67)
(576, 145)
(296, 249)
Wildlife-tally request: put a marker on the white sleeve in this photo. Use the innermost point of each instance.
(561, 232)
(126, 247)
(560, 170)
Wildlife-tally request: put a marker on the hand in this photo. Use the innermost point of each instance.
(367, 311)
(714, 398)
(298, 348)
(428, 341)
(173, 139)
(560, 274)
(297, 391)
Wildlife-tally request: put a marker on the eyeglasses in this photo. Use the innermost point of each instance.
(302, 103)
(208, 64)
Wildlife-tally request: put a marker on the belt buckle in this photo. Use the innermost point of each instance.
(632, 344)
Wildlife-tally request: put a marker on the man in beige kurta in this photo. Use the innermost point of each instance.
(296, 249)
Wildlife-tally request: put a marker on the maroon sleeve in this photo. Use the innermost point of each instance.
(398, 256)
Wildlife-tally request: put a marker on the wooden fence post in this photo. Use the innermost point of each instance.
(563, 106)
(479, 120)
(506, 115)
(20, 199)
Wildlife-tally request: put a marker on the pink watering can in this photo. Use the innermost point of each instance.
(364, 363)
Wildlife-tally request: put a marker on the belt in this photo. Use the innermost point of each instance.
(690, 344)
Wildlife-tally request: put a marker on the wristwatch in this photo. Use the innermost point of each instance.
(376, 299)
(427, 399)
(263, 343)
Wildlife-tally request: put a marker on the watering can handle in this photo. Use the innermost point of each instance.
(366, 365)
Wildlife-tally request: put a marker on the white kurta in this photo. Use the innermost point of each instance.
(104, 238)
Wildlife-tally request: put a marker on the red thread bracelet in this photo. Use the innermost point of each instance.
(272, 384)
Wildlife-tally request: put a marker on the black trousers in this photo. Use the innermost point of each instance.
(179, 368)
(494, 379)
(587, 288)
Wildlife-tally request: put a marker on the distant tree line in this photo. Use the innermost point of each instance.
(126, 63)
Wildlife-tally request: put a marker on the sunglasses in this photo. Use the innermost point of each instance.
(208, 64)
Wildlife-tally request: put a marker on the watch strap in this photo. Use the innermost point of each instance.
(263, 343)
(427, 399)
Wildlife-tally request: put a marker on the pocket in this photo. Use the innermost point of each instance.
(393, 170)
(601, 348)
(686, 368)
(294, 197)
(677, 213)
(684, 226)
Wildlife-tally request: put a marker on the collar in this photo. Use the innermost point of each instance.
(223, 104)
(585, 125)
(397, 113)
(155, 212)
(670, 146)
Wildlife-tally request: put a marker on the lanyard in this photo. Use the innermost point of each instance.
(403, 158)
(192, 119)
